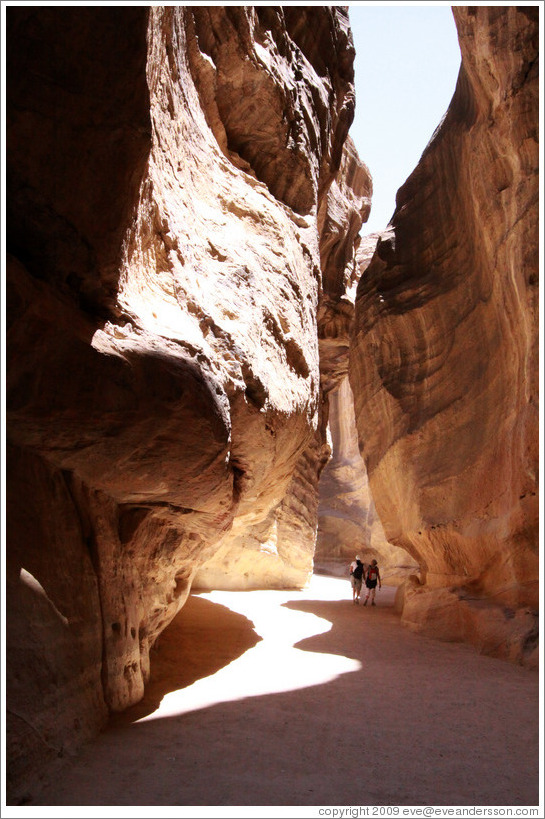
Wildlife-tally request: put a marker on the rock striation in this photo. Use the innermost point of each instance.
(173, 176)
(444, 364)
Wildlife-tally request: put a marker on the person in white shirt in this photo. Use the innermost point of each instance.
(356, 578)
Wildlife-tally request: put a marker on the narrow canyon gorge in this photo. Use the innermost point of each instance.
(216, 380)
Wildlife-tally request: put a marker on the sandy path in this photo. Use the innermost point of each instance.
(359, 712)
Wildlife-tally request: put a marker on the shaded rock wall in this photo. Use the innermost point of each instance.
(167, 170)
(54, 696)
(341, 250)
(348, 523)
(444, 362)
(347, 518)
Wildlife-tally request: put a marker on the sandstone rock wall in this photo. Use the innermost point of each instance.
(341, 252)
(278, 550)
(167, 173)
(344, 519)
(348, 523)
(347, 518)
(445, 355)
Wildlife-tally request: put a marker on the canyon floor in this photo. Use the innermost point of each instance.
(300, 698)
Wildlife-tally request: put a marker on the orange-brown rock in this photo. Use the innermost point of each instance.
(341, 216)
(347, 519)
(348, 523)
(278, 550)
(167, 169)
(444, 361)
(183, 212)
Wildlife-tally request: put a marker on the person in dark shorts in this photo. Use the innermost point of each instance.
(372, 577)
(356, 578)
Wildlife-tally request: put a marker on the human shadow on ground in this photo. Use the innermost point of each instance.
(192, 646)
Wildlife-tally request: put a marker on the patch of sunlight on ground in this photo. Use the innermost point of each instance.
(273, 665)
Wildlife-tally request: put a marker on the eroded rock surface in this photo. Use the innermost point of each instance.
(168, 169)
(444, 366)
(278, 550)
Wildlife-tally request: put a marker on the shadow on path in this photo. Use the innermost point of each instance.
(412, 722)
(202, 638)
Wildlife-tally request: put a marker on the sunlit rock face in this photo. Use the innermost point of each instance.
(168, 182)
(278, 550)
(444, 363)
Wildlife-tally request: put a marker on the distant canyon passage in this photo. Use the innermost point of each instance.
(190, 302)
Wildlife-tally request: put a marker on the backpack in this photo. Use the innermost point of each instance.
(358, 571)
(372, 573)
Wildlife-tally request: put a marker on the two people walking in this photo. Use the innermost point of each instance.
(358, 573)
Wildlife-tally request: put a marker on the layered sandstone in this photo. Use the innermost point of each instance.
(444, 361)
(167, 174)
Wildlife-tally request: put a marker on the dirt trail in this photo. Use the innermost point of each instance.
(328, 704)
